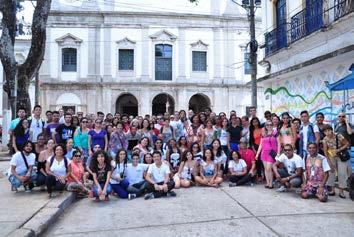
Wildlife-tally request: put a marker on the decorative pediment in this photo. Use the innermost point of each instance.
(125, 42)
(163, 35)
(68, 39)
(199, 45)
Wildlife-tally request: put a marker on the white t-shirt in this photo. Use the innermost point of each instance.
(135, 174)
(304, 132)
(224, 137)
(237, 167)
(36, 128)
(58, 168)
(20, 164)
(117, 171)
(291, 164)
(158, 174)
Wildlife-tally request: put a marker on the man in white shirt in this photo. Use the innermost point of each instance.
(135, 175)
(288, 169)
(22, 163)
(36, 123)
(158, 178)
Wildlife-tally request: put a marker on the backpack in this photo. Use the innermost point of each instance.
(65, 162)
(30, 122)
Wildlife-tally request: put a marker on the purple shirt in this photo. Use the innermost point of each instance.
(50, 129)
(97, 138)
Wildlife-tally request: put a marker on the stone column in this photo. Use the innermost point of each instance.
(218, 62)
(107, 74)
(145, 54)
(182, 46)
(93, 54)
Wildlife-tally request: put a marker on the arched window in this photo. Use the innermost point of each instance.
(69, 59)
(163, 62)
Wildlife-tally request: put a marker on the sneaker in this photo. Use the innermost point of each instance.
(149, 196)
(281, 189)
(171, 194)
(232, 184)
(131, 196)
(27, 189)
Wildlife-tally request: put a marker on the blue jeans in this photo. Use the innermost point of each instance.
(121, 188)
(95, 189)
(16, 183)
(138, 188)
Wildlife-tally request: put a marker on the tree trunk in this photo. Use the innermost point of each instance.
(27, 70)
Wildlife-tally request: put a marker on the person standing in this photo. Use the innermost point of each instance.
(332, 145)
(65, 130)
(36, 124)
(307, 133)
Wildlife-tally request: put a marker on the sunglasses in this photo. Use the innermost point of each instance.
(77, 155)
(341, 116)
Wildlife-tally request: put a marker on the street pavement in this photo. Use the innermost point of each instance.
(27, 214)
(198, 211)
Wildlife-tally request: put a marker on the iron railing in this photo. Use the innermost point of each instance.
(311, 19)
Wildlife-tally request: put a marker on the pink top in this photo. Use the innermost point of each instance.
(78, 170)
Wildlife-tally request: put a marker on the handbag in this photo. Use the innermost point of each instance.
(343, 155)
(272, 153)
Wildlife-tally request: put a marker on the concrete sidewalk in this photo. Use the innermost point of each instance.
(27, 214)
(198, 211)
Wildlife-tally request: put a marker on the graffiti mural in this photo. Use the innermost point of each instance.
(308, 92)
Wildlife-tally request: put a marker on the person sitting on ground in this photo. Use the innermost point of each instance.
(41, 163)
(316, 175)
(248, 155)
(76, 179)
(57, 170)
(158, 178)
(102, 170)
(288, 169)
(21, 168)
(208, 171)
(183, 178)
(237, 168)
(118, 181)
(135, 177)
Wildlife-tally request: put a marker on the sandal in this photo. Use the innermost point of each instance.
(266, 186)
(331, 193)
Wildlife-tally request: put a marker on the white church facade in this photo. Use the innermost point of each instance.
(100, 56)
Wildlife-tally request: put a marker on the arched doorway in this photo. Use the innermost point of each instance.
(162, 103)
(199, 102)
(127, 104)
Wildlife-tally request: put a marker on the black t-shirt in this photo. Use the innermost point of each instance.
(65, 132)
(102, 173)
(235, 133)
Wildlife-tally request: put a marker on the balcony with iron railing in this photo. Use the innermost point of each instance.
(306, 22)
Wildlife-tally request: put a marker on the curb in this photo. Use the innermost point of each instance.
(45, 217)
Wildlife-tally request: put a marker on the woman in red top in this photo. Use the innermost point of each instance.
(76, 179)
(254, 142)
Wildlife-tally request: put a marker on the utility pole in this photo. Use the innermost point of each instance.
(250, 6)
(253, 50)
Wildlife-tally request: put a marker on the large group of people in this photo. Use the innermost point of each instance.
(98, 155)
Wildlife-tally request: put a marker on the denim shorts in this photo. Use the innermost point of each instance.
(16, 183)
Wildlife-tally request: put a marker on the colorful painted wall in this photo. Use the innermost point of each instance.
(308, 91)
